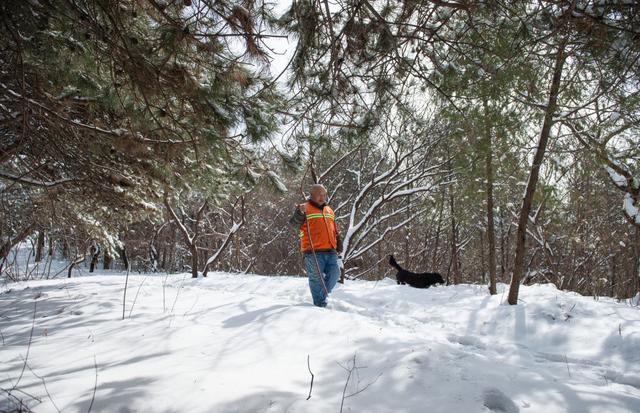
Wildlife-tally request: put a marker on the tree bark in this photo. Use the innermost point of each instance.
(525, 209)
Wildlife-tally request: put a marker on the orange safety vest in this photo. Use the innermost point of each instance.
(322, 226)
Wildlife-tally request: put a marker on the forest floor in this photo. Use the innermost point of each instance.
(241, 343)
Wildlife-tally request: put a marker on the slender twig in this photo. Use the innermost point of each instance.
(192, 306)
(364, 388)
(176, 298)
(124, 299)
(136, 296)
(22, 406)
(164, 287)
(33, 324)
(344, 390)
(95, 386)
(44, 384)
(312, 376)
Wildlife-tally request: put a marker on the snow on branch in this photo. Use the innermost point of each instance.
(185, 232)
(374, 206)
(620, 175)
(234, 228)
(34, 182)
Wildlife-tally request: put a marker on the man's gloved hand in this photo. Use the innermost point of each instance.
(340, 263)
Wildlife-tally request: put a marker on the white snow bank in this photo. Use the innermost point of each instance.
(239, 343)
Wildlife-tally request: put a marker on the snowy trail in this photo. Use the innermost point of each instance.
(239, 343)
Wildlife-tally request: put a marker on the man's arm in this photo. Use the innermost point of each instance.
(297, 218)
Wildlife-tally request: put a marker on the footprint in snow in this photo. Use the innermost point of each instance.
(467, 341)
(628, 380)
(497, 401)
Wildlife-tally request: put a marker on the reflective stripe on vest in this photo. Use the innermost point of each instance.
(310, 216)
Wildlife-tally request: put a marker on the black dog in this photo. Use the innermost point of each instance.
(422, 280)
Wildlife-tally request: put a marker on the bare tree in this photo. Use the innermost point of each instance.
(235, 226)
(191, 236)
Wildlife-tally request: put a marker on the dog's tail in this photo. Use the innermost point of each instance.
(394, 264)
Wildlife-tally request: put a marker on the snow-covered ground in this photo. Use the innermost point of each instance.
(239, 343)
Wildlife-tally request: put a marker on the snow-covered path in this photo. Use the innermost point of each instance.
(239, 343)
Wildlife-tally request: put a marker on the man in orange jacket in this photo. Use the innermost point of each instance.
(318, 234)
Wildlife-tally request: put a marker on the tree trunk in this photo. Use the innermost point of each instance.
(636, 262)
(163, 263)
(190, 240)
(454, 242)
(50, 250)
(125, 258)
(407, 244)
(502, 253)
(194, 261)
(153, 257)
(612, 276)
(95, 254)
(434, 257)
(518, 265)
(65, 249)
(107, 261)
(481, 246)
(7, 246)
(75, 262)
(39, 246)
(491, 235)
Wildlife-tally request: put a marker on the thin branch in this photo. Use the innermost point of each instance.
(95, 386)
(312, 376)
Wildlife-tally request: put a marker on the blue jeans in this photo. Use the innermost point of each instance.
(328, 263)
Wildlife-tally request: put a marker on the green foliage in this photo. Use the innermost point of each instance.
(147, 99)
